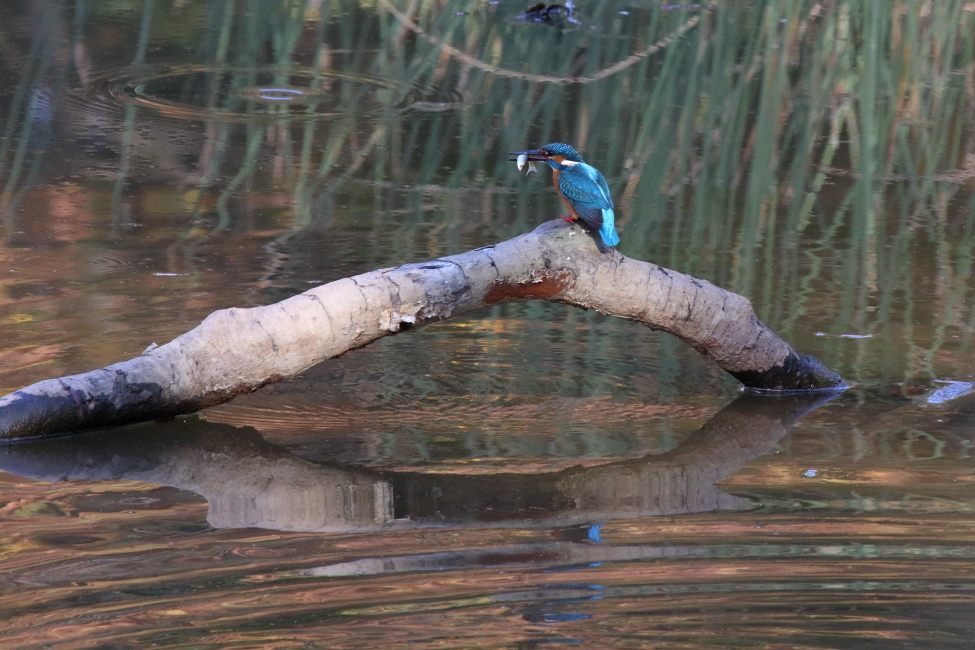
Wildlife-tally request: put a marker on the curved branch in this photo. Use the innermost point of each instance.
(236, 351)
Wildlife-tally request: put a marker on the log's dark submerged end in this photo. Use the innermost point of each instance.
(795, 373)
(26, 416)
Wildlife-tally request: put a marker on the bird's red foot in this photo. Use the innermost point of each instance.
(569, 219)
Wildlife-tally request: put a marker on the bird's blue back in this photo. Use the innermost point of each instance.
(587, 191)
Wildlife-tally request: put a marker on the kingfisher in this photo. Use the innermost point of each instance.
(581, 187)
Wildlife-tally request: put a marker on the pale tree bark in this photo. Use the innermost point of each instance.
(236, 351)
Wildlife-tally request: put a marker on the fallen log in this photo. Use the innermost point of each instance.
(236, 351)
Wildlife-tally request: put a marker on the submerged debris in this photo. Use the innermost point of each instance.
(953, 390)
(550, 15)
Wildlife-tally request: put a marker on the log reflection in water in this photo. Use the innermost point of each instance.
(248, 482)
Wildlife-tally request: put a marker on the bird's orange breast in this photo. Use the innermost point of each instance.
(558, 188)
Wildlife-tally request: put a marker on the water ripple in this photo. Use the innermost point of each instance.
(245, 94)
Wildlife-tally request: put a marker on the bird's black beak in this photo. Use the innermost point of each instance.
(533, 155)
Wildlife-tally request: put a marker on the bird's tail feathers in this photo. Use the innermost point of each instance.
(608, 231)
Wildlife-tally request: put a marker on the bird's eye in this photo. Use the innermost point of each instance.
(543, 152)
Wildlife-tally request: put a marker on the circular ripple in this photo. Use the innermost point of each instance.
(108, 263)
(201, 92)
(245, 94)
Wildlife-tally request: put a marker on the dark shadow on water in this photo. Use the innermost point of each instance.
(248, 482)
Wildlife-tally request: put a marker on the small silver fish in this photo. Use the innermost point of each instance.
(522, 159)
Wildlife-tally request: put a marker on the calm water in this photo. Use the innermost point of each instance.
(530, 474)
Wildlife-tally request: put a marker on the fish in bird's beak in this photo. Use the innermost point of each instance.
(530, 157)
(522, 160)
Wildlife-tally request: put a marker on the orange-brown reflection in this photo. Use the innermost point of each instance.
(425, 560)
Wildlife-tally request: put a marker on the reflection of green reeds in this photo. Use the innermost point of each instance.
(23, 124)
(724, 141)
(129, 124)
(815, 156)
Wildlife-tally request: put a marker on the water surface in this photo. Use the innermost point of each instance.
(528, 474)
